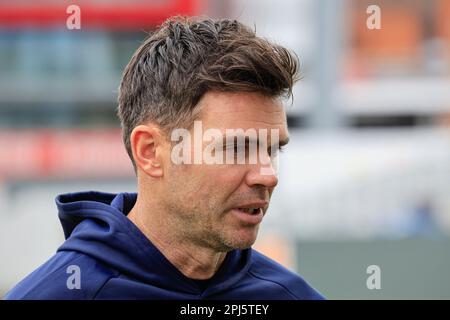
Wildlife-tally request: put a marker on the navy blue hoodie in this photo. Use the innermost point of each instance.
(113, 259)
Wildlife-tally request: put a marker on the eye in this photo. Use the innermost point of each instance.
(236, 148)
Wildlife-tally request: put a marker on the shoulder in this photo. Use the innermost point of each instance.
(266, 269)
(66, 275)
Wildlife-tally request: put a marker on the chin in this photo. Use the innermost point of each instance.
(241, 240)
(243, 246)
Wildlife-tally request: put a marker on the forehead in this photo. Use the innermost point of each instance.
(244, 110)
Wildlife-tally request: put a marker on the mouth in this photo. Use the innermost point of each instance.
(250, 214)
(251, 211)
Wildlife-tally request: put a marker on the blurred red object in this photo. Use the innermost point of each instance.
(94, 14)
(64, 153)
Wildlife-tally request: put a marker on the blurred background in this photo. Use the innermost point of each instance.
(364, 181)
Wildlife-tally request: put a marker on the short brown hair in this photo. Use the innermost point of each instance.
(186, 57)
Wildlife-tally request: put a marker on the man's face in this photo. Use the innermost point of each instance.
(204, 200)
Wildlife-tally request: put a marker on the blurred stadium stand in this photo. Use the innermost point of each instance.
(364, 181)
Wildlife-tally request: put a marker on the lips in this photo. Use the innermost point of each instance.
(252, 213)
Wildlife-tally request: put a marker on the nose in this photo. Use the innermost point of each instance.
(263, 175)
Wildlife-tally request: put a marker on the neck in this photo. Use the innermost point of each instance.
(193, 261)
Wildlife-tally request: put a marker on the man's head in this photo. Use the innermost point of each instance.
(220, 73)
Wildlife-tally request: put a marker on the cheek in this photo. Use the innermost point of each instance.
(217, 182)
(235, 173)
(224, 180)
(204, 185)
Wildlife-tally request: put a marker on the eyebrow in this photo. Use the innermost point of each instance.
(247, 140)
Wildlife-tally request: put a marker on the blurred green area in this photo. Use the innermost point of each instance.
(415, 268)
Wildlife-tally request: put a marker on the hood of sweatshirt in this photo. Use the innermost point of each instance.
(96, 224)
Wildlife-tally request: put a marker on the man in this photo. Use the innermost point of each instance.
(188, 232)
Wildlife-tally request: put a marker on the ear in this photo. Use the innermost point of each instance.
(146, 144)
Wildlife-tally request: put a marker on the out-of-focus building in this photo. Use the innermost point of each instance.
(369, 158)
